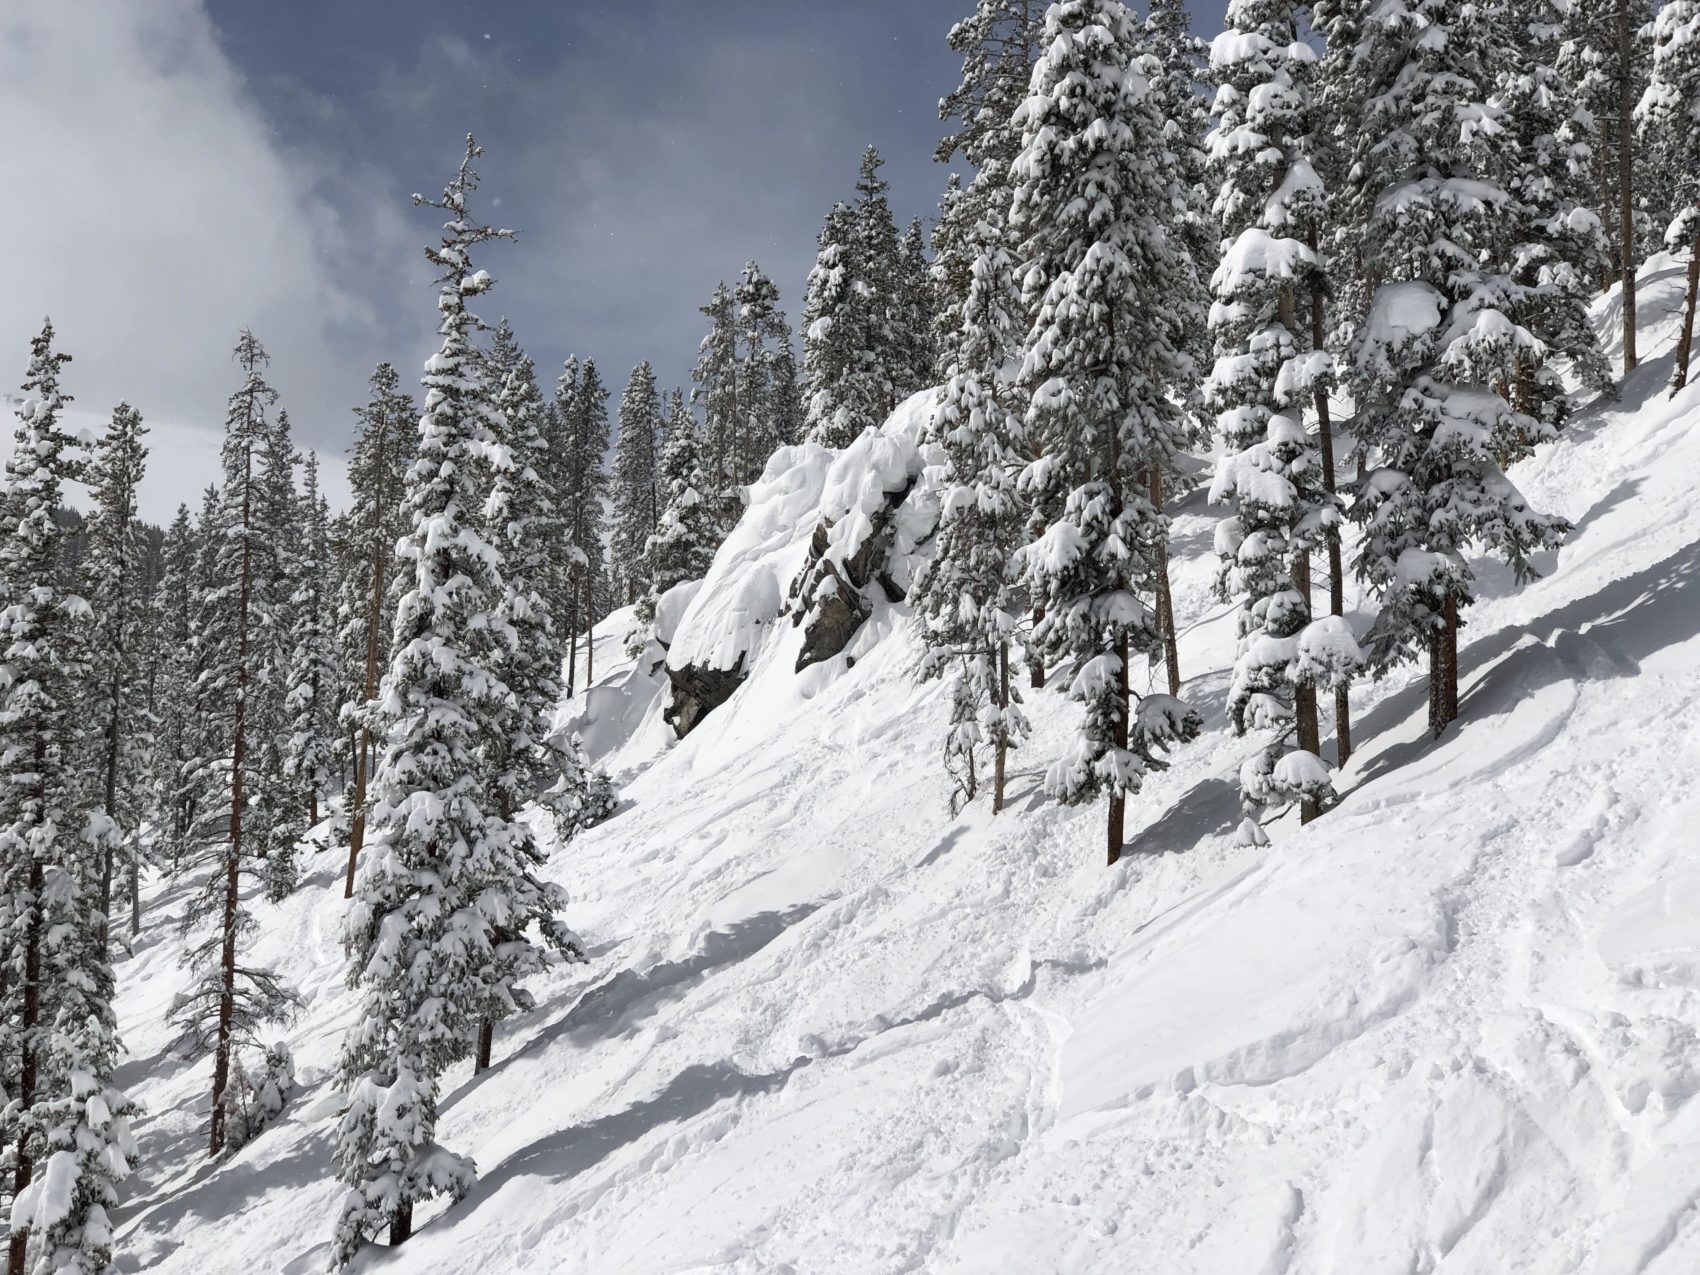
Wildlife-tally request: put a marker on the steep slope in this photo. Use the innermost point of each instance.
(827, 1028)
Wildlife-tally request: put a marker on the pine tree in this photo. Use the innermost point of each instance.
(275, 548)
(767, 373)
(310, 694)
(583, 494)
(637, 494)
(64, 1113)
(1096, 184)
(1271, 201)
(446, 891)
(966, 602)
(172, 615)
(830, 350)
(228, 999)
(377, 470)
(1671, 108)
(1557, 247)
(1424, 363)
(714, 386)
(682, 546)
(915, 305)
(118, 702)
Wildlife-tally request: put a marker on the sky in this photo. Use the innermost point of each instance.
(190, 168)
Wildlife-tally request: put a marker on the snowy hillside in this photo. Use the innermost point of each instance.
(1452, 1026)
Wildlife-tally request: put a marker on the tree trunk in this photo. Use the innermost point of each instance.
(1035, 661)
(1626, 176)
(1304, 699)
(1336, 570)
(572, 648)
(1165, 603)
(1118, 798)
(1450, 703)
(110, 763)
(1003, 732)
(401, 1225)
(486, 1038)
(23, 1167)
(135, 889)
(1436, 684)
(589, 631)
(1686, 342)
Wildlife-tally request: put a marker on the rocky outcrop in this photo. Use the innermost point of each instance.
(697, 691)
(828, 595)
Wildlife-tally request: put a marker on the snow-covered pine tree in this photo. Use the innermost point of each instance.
(1556, 246)
(582, 497)
(767, 372)
(830, 337)
(377, 470)
(1671, 108)
(1605, 55)
(1270, 201)
(533, 761)
(228, 999)
(877, 264)
(1439, 331)
(714, 386)
(966, 603)
(64, 1115)
(637, 484)
(310, 695)
(436, 935)
(914, 309)
(1095, 188)
(683, 543)
(171, 614)
(117, 703)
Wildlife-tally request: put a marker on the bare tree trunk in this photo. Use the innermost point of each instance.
(1003, 733)
(1336, 569)
(1118, 799)
(486, 1038)
(589, 630)
(23, 1168)
(1686, 342)
(135, 890)
(572, 649)
(1626, 176)
(1165, 603)
(1035, 661)
(401, 1225)
(1450, 703)
(1304, 700)
(1436, 684)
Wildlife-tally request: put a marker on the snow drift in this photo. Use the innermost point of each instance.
(1450, 1027)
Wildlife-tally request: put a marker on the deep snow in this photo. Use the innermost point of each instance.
(827, 1028)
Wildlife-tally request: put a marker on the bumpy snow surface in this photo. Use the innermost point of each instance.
(827, 1028)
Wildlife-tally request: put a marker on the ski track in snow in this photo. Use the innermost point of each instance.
(1452, 1027)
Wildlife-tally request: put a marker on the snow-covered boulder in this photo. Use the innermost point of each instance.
(821, 531)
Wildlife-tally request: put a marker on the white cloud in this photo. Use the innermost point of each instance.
(153, 214)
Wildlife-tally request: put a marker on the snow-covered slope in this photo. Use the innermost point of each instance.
(826, 1028)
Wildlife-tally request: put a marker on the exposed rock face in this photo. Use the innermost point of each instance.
(827, 595)
(696, 691)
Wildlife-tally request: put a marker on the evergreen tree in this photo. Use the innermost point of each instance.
(1557, 247)
(835, 418)
(118, 700)
(377, 470)
(1424, 364)
(172, 615)
(64, 1113)
(637, 494)
(310, 694)
(1096, 185)
(1271, 201)
(714, 385)
(767, 373)
(1671, 108)
(682, 546)
(966, 602)
(916, 305)
(275, 547)
(436, 935)
(583, 408)
(235, 805)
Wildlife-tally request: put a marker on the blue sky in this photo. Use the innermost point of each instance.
(202, 166)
